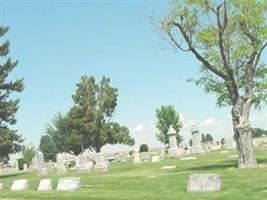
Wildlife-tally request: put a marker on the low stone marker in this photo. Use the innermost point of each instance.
(204, 183)
(188, 158)
(233, 156)
(223, 152)
(155, 159)
(136, 160)
(45, 185)
(69, 184)
(168, 167)
(1, 186)
(19, 185)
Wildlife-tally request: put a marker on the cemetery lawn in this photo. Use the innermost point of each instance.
(148, 182)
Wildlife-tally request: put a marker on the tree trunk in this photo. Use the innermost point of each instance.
(243, 137)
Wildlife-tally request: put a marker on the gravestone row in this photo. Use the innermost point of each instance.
(64, 184)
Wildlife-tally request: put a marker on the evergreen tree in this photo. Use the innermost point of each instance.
(9, 140)
(48, 147)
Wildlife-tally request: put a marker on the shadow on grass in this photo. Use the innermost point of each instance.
(217, 166)
(11, 175)
(262, 160)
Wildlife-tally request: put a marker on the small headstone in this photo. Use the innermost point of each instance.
(155, 159)
(136, 159)
(69, 184)
(233, 156)
(101, 165)
(45, 185)
(168, 167)
(204, 183)
(1, 186)
(188, 158)
(145, 157)
(25, 167)
(19, 185)
(224, 152)
(39, 164)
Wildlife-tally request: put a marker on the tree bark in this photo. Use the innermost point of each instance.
(241, 125)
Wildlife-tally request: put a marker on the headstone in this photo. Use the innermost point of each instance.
(60, 165)
(45, 185)
(82, 164)
(25, 167)
(204, 183)
(1, 186)
(39, 164)
(136, 159)
(168, 167)
(188, 158)
(196, 141)
(145, 156)
(69, 184)
(19, 185)
(229, 144)
(101, 165)
(173, 151)
(233, 156)
(155, 159)
(224, 152)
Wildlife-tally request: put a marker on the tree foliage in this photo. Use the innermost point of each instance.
(166, 117)
(9, 140)
(258, 132)
(88, 123)
(143, 148)
(48, 148)
(228, 38)
(28, 153)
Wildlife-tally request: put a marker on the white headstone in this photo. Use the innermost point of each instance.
(204, 183)
(101, 165)
(136, 159)
(155, 159)
(196, 142)
(25, 167)
(69, 184)
(39, 164)
(173, 150)
(168, 167)
(1, 186)
(45, 185)
(83, 164)
(19, 185)
(145, 156)
(188, 158)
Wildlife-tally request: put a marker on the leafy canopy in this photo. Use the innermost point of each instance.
(166, 117)
(228, 37)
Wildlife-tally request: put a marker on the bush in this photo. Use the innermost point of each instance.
(21, 162)
(28, 154)
(143, 148)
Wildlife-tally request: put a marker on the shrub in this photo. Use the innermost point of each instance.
(21, 162)
(143, 148)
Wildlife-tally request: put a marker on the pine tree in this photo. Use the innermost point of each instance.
(9, 139)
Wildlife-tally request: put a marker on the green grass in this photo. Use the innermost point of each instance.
(148, 182)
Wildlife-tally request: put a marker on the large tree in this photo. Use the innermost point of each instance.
(88, 123)
(167, 116)
(228, 38)
(48, 147)
(10, 141)
(91, 115)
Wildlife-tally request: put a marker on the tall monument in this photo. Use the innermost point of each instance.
(173, 148)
